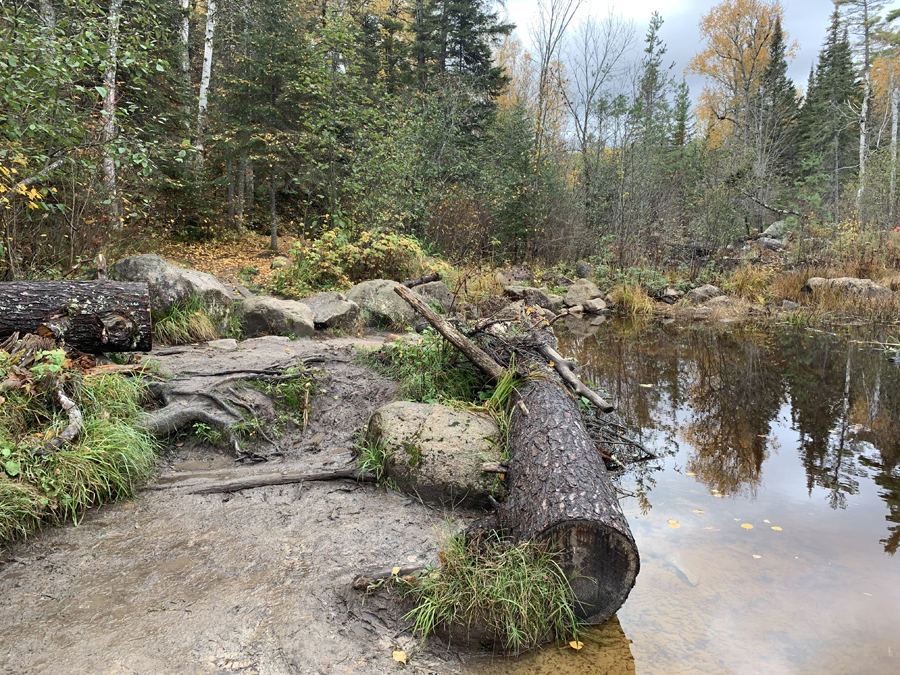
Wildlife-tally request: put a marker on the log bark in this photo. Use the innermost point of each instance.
(427, 279)
(278, 479)
(560, 493)
(92, 316)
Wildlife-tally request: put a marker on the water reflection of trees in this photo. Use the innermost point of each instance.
(722, 391)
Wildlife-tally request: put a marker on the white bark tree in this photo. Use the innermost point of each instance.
(109, 130)
(202, 109)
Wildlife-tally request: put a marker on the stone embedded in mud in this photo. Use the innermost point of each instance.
(582, 292)
(848, 286)
(332, 310)
(265, 315)
(436, 452)
(703, 293)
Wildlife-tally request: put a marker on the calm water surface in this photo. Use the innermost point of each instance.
(795, 434)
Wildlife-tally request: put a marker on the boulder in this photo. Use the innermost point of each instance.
(771, 244)
(170, 284)
(515, 276)
(534, 297)
(436, 292)
(557, 302)
(849, 286)
(379, 305)
(436, 452)
(777, 230)
(701, 294)
(583, 269)
(670, 295)
(595, 306)
(332, 310)
(265, 315)
(720, 301)
(280, 262)
(581, 292)
(552, 278)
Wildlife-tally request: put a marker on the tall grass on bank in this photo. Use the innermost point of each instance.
(184, 323)
(111, 457)
(517, 593)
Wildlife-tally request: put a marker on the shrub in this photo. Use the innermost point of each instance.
(335, 261)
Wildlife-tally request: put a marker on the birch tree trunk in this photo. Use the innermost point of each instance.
(895, 104)
(108, 131)
(229, 196)
(202, 109)
(863, 143)
(48, 14)
(185, 36)
(241, 183)
(273, 220)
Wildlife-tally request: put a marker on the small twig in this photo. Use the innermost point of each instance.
(70, 433)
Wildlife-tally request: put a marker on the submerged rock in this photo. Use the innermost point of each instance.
(436, 452)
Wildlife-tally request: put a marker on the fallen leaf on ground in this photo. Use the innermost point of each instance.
(395, 571)
(674, 524)
(399, 656)
(747, 526)
(575, 644)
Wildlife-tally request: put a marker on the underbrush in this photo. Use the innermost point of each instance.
(109, 459)
(336, 260)
(516, 592)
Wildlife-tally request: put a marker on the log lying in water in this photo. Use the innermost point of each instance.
(92, 316)
(559, 490)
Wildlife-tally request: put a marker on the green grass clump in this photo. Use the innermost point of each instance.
(517, 592)
(111, 457)
(184, 323)
(430, 370)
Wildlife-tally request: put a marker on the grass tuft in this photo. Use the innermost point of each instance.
(517, 592)
(632, 301)
(184, 323)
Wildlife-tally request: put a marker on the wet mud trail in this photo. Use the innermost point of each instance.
(258, 581)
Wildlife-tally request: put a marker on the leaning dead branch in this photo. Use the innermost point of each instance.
(280, 479)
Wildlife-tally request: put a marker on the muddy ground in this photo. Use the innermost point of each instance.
(258, 581)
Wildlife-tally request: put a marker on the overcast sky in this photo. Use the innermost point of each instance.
(805, 20)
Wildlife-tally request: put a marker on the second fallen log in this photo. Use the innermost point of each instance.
(93, 316)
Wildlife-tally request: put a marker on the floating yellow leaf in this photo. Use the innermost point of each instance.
(747, 526)
(674, 524)
(646, 386)
(395, 571)
(709, 528)
(399, 656)
(767, 521)
(697, 511)
(690, 474)
(776, 528)
(575, 644)
(757, 556)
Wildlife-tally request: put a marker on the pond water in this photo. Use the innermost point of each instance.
(769, 527)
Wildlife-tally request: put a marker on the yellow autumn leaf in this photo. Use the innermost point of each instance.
(690, 474)
(757, 556)
(776, 528)
(575, 644)
(551, 364)
(697, 511)
(747, 526)
(767, 521)
(399, 656)
(395, 571)
(674, 524)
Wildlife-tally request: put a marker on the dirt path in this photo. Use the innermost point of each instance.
(254, 582)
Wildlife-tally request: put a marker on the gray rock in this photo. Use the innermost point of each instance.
(552, 278)
(436, 292)
(771, 244)
(849, 286)
(436, 452)
(576, 309)
(583, 269)
(670, 295)
(333, 310)
(703, 293)
(595, 306)
(265, 315)
(534, 297)
(243, 291)
(556, 302)
(581, 292)
(515, 276)
(777, 230)
(380, 306)
(170, 284)
(719, 301)
(226, 344)
(281, 262)
(789, 304)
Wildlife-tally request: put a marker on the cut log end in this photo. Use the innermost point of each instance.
(600, 563)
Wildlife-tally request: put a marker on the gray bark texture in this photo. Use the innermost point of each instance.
(92, 316)
(561, 493)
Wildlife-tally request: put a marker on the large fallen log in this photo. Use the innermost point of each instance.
(92, 316)
(559, 490)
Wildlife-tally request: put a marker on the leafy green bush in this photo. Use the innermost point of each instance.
(336, 261)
